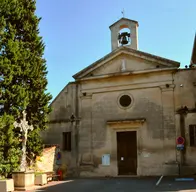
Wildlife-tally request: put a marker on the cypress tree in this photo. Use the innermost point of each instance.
(23, 78)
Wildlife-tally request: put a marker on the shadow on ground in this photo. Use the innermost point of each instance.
(122, 185)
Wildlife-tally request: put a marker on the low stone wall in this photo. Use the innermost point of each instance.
(46, 162)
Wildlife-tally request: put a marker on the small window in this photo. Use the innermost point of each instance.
(192, 135)
(67, 141)
(125, 100)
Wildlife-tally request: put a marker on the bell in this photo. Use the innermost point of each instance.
(124, 40)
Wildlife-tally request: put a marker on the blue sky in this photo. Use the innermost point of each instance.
(76, 32)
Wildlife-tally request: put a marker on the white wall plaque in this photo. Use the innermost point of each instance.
(145, 154)
(106, 159)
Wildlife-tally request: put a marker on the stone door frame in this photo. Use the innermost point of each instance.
(123, 126)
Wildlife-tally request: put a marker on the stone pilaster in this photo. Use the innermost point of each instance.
(85, 131)
(169, 130)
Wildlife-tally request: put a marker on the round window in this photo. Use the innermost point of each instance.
(125, 100)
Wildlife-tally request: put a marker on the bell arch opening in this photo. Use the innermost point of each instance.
(124, 36)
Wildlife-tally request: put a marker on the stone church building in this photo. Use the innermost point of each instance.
(122, 114)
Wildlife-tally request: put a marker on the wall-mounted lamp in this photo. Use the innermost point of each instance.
(72, 118)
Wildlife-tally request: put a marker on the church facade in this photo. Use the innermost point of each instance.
(127, 113)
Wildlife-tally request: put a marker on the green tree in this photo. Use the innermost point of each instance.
(9, 153)
(23, 71)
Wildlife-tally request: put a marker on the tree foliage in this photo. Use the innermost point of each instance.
(23, 78)
(9, 155)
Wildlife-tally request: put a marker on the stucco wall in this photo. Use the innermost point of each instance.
(105, 107)
(156, 97)
(149, 96)
(190, 151)
(64, 104)
(185, 95)
(62, 108)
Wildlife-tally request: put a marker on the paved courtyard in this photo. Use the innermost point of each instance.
(122, 185)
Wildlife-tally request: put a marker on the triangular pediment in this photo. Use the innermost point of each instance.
(125, 60)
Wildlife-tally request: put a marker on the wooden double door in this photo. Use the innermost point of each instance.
(127, 152)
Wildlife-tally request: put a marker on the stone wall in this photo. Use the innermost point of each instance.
(46, 162)
(185, 95)
(155, 97)
(152, 100)
(62, 109)
(185, 90)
